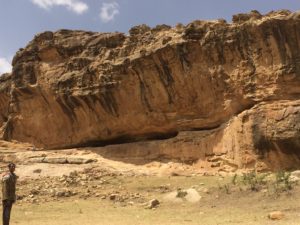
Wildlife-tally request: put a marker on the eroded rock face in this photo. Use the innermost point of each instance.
(237, 84)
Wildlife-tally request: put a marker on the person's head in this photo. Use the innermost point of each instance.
(11, 167)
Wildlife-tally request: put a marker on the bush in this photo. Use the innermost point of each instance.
(254, 180)
(283, 181)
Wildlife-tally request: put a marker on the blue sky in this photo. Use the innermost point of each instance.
(20, 20)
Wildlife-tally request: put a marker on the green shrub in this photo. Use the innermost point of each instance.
(254, 181)
(283, 181)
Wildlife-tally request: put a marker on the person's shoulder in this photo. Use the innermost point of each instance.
(5, 176)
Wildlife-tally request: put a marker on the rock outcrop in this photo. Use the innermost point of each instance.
(232, 88)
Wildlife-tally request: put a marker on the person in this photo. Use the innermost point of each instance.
(8, 192)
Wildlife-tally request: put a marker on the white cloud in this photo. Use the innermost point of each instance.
(109, 11)
(5, 66)
(76, 6)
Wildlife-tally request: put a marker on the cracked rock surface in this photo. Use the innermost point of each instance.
(214, 89)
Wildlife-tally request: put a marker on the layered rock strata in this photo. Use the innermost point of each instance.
(232, 88)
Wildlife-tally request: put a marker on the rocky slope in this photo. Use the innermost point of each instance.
(226, 92)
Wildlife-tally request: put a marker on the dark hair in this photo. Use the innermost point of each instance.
(11, 165)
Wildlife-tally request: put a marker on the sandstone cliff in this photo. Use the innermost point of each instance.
(228, 91)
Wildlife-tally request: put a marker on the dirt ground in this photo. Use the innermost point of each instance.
(215, 207)
(67, 188)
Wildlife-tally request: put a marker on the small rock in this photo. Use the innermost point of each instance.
(205, 190)
(60, 194)
(52, 192)
(62, 179)
(174, 174)
(276, 215)
(215, 164)
(152, 204)
(37, 171)
(112, 197)
(34, 192)
(68, 193)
